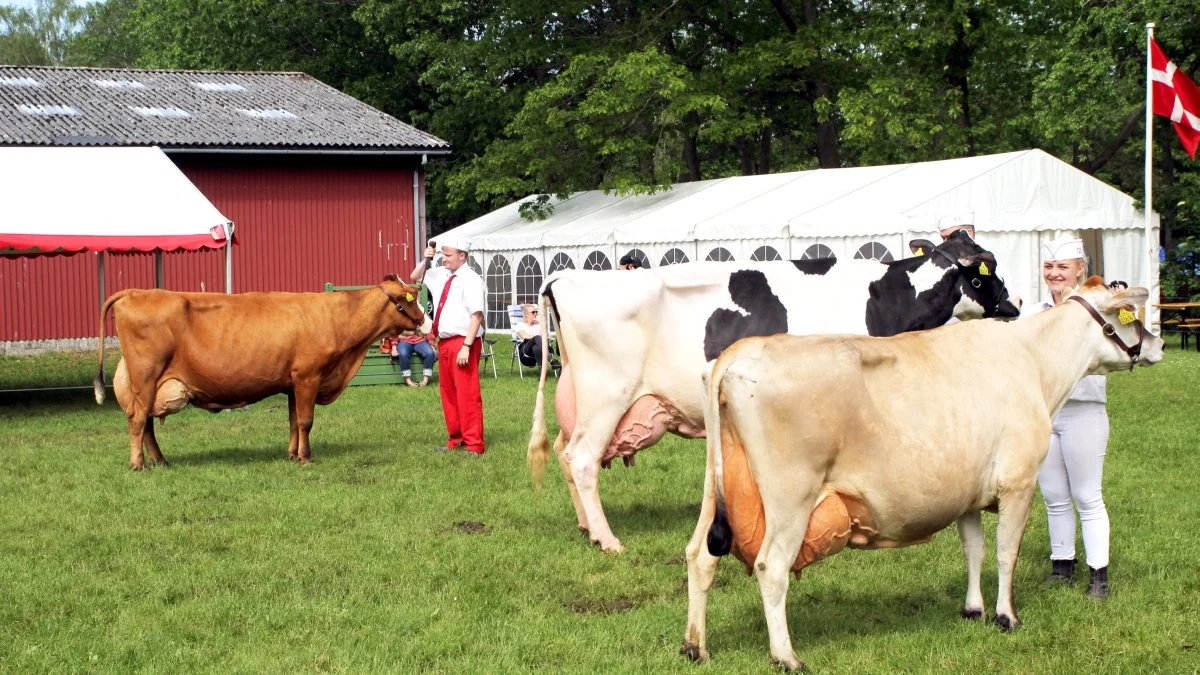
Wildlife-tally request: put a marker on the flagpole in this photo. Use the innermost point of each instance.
(1151, 248)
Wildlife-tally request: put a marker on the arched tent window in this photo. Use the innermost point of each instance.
(560, 261)
(640, 255)
(474, 265)
(529, 280)
(499, 292)
(873, 251)
(765, 254)
(596, 260)
(816, 252)
(673, 256)
(719, 254)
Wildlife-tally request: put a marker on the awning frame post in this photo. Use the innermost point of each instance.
(158, 268)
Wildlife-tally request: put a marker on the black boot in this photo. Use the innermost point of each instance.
(1098, 584)
(1061, 572)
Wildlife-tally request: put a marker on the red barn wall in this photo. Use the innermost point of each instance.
(299, 224)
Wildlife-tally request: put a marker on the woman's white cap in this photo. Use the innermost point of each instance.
(1065, 247)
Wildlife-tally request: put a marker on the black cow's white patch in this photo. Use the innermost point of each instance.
(764, 314)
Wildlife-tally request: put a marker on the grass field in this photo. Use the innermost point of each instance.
(382, 556)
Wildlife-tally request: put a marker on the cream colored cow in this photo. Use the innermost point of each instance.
(824, 442)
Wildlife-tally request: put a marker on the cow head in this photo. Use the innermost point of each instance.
(1120, 341)
(982, 291)
(406, 301)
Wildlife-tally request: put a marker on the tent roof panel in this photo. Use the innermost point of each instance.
(102, 199)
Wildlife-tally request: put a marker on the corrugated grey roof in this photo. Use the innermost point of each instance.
(193, 109)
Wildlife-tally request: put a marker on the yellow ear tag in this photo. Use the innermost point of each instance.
(983, 270)
(1126, 317)
(408, 296)
(920, 251)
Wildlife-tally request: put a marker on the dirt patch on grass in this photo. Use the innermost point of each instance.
(592, 606)
(472, 527)
(676, 560)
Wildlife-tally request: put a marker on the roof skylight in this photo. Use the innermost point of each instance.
(119, 84)
(219, 86)
(160, 112)
(270, 113)
(19, 82)
(47, 110)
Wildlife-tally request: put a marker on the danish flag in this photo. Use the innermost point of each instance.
(1175, 96)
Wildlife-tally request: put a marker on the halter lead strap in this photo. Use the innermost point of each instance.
(1110, 331)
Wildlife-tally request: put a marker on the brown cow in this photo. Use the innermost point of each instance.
(221, 351)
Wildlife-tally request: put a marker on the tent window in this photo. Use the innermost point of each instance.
(816, 252)
(596, 260)
(765, 254)
(673, 256)
(499, 292)
(873, 251)
(719, 255)
(474, 265)
(529, 280)
(637, 253)
(560, 261)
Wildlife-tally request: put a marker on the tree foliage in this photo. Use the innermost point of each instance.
(548, 98)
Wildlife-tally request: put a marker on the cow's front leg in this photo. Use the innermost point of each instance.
(306, 402)
(560, 444)
(294, 436)
(1015, 503)
(702, 568)
(970, 532)
(151, 443)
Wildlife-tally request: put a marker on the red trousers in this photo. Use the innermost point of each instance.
(462, 403)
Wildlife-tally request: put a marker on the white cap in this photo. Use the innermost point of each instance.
(454, 242)
(1065, 247)
(957, 220)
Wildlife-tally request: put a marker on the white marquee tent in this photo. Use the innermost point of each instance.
(1016, 200)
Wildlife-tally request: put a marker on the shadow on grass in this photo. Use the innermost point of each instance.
(59, 399)
(653, 517)
(274, 452)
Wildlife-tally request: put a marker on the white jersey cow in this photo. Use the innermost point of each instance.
(821, 442)
(634, 344)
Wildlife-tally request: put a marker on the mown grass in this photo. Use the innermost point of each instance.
(385, 557)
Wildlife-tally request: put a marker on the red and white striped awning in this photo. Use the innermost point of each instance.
(55, 199)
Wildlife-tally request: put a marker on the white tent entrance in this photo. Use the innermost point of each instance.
(1016, 200)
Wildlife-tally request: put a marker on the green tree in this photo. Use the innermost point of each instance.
(41, 36)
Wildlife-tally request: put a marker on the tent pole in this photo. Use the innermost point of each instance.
(229, 258)
(158, 268)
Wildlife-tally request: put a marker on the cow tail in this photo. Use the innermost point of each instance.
(538, 451)
(98, 383)
(720, 535)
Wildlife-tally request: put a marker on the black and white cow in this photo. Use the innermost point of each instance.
(634, 344)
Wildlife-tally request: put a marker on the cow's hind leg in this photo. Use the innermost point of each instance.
(786, 512)
(702, 568)
(151, 443)
(970, 531)
(560, 443)
(1010, 527)
(306, 402)
(294, 435)
(583, 454)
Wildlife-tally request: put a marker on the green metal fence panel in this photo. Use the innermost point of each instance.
(377, 368)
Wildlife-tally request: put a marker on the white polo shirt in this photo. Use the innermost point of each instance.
(467, 296)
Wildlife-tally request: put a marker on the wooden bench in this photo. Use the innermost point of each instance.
(377, 368)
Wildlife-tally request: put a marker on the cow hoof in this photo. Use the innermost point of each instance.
(1007, 623)
(137, 467)
(613, 546)
(793, 665)
(972, 614)
(694, 652)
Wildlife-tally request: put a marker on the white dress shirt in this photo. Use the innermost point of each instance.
(467, 296)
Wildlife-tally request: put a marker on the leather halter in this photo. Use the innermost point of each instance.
(1110, 331)
(400, 306)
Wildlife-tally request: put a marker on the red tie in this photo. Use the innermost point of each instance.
(437, 316)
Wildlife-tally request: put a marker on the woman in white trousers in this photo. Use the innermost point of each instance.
(1074, 466)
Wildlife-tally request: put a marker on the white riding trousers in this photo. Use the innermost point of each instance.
(1073, 471)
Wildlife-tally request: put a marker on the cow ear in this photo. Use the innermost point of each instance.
(984, 261)
(920, 246)
(1129, 297)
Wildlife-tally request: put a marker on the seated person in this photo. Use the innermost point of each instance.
(529, 332)
(401, 349)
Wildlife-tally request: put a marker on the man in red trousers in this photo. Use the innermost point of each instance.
(459, 299)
